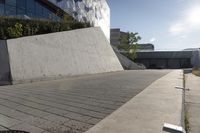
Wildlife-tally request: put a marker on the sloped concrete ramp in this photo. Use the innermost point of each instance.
(77, 52)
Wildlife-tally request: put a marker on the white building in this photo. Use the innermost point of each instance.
(97, 12)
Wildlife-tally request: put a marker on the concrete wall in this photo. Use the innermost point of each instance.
(196, 59)
(77, 52)
(127, 63)
(4, 64)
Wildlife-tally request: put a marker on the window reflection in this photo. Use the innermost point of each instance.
(30, 8)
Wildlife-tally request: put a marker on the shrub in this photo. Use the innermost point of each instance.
(16, 27)
(196, 71)
(15, 31)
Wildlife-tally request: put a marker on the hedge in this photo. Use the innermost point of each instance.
(16, 27)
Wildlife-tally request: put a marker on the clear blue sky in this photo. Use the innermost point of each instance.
(169, 24)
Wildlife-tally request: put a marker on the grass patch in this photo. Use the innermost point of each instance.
(196, 72)
(187, 124)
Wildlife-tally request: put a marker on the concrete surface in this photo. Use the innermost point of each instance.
(127, 63)
(74, 104)
(196, 59)
(147, 112)
(69, 53)
(4, 64)
(193, 102)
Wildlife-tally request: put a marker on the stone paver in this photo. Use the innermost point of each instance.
(193, 102)
(147, 112)
(27, 127)
(7, 121)
(70, 105)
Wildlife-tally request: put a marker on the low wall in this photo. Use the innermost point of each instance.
(196, 59)
(77, 52)
(4, 64)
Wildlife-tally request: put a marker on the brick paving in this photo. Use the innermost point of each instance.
(71, 105)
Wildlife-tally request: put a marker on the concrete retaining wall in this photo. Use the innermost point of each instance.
(77, 52)
(127, 63)
(4, 64)
(196, 59)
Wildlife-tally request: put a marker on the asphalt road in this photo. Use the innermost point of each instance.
(74, 104)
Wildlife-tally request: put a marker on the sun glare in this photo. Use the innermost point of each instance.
(194, 15)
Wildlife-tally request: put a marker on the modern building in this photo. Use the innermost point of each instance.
(97, 12)
(115, 40)
(115, 36)
(148, 47)
(191, 49)
(168, 59)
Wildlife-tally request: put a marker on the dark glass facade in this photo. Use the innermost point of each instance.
(27, 8)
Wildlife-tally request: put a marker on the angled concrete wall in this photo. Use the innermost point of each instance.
(127, 63)
(77, 52)
(4, 64)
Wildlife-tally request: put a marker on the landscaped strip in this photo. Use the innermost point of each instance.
(196, 72)
(17, 27)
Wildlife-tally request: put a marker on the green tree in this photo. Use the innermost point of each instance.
(133, 38)
(129, 44)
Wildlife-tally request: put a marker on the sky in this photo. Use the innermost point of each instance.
(168, 24)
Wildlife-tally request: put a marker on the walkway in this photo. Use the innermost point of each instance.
(147, 112)
(73, 104)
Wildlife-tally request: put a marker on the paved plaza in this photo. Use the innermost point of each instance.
(71, 105)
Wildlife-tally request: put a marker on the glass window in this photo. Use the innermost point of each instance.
(21, 7)
(2, 1)
(2, 9)
(10, 10)
(30, 4)
(21, 11)
(10, 2)
(46, 13)
(21, 4)
(31, 8)
(38, 8)
(31, 14)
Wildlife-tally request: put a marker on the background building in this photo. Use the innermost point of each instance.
(146, 47)
(115, 40)
(115, 36)
(166, 59)
(97, 12)
(34, 9)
